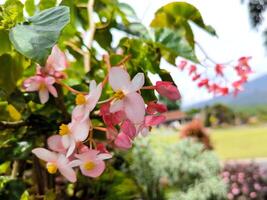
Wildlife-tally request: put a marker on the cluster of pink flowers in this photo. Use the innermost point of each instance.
(220, 84)
(125, 115)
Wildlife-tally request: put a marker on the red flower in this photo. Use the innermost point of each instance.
(193, 69)
(167, 89)
(204, 82)
(153, 108)
(182, 65)
(197, 76)
(219, 70)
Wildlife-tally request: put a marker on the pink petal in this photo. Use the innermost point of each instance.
(154, 120)
(66, 140)
(55, 143)
(52, 90)
(92, 85)
(31, 84)
(116, 106)
(80, 130)
(123, 141)
(97, 171)
(137, 82)
(68, 173)
(45, 154)
(129, 129)
(80, 112)
(119, 79)
(104, 156)
(57, 59)
(75, 163)
(49, 80)
(93, 97)
(89, 155)
(153, 108)
(43, 95)
(71, 148)
(134, 107)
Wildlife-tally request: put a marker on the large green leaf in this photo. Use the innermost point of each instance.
(35, 38)
(175, 43)
(177, 14)
(11, 67)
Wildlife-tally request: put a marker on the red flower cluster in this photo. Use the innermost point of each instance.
(219, 85)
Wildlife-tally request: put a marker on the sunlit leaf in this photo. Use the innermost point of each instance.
(36, 38)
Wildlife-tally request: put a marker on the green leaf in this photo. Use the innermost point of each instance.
(11, 189)
(177, 14)
(135, 28)
(10, 14)
(36, 38)
(127, 10)
(175, 42)
(11, 67)
(103, 38)
(5, 46)
(144, 55)
(45, 4)
(30, 7)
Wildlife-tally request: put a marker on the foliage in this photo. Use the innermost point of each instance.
(245, 181)
(183, 171)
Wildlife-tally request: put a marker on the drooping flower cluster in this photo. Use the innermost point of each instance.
(125, 115)
(219, 84)
(46, 76)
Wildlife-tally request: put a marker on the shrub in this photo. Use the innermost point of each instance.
(180, 171)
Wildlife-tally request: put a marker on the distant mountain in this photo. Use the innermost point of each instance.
(254, 94)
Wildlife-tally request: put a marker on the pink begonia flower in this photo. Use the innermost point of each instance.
(86, 103)
(42, 84)
(91, 162)
(126, 97)
(153, 108)
(123, 141)
(167, 89)
(57, 61)
(150, 120)
(73, 134)
(55, 143)
(56, 162)
(127, 134)
(111, 119)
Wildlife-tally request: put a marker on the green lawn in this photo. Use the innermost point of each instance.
(230, 143)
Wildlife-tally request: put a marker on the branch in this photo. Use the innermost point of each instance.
(4, 124)
(107, 61)
(208, 57)
(87, 56)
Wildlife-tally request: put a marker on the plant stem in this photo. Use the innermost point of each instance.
(92, 28)
(15, 169)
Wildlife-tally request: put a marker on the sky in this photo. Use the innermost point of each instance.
(236, 38)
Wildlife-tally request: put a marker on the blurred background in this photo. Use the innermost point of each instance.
(232, 130)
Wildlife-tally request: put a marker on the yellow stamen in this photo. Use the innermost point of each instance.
(51, 168)
(89, 165)
(80, 99)
(64, 129)
(119, 95)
